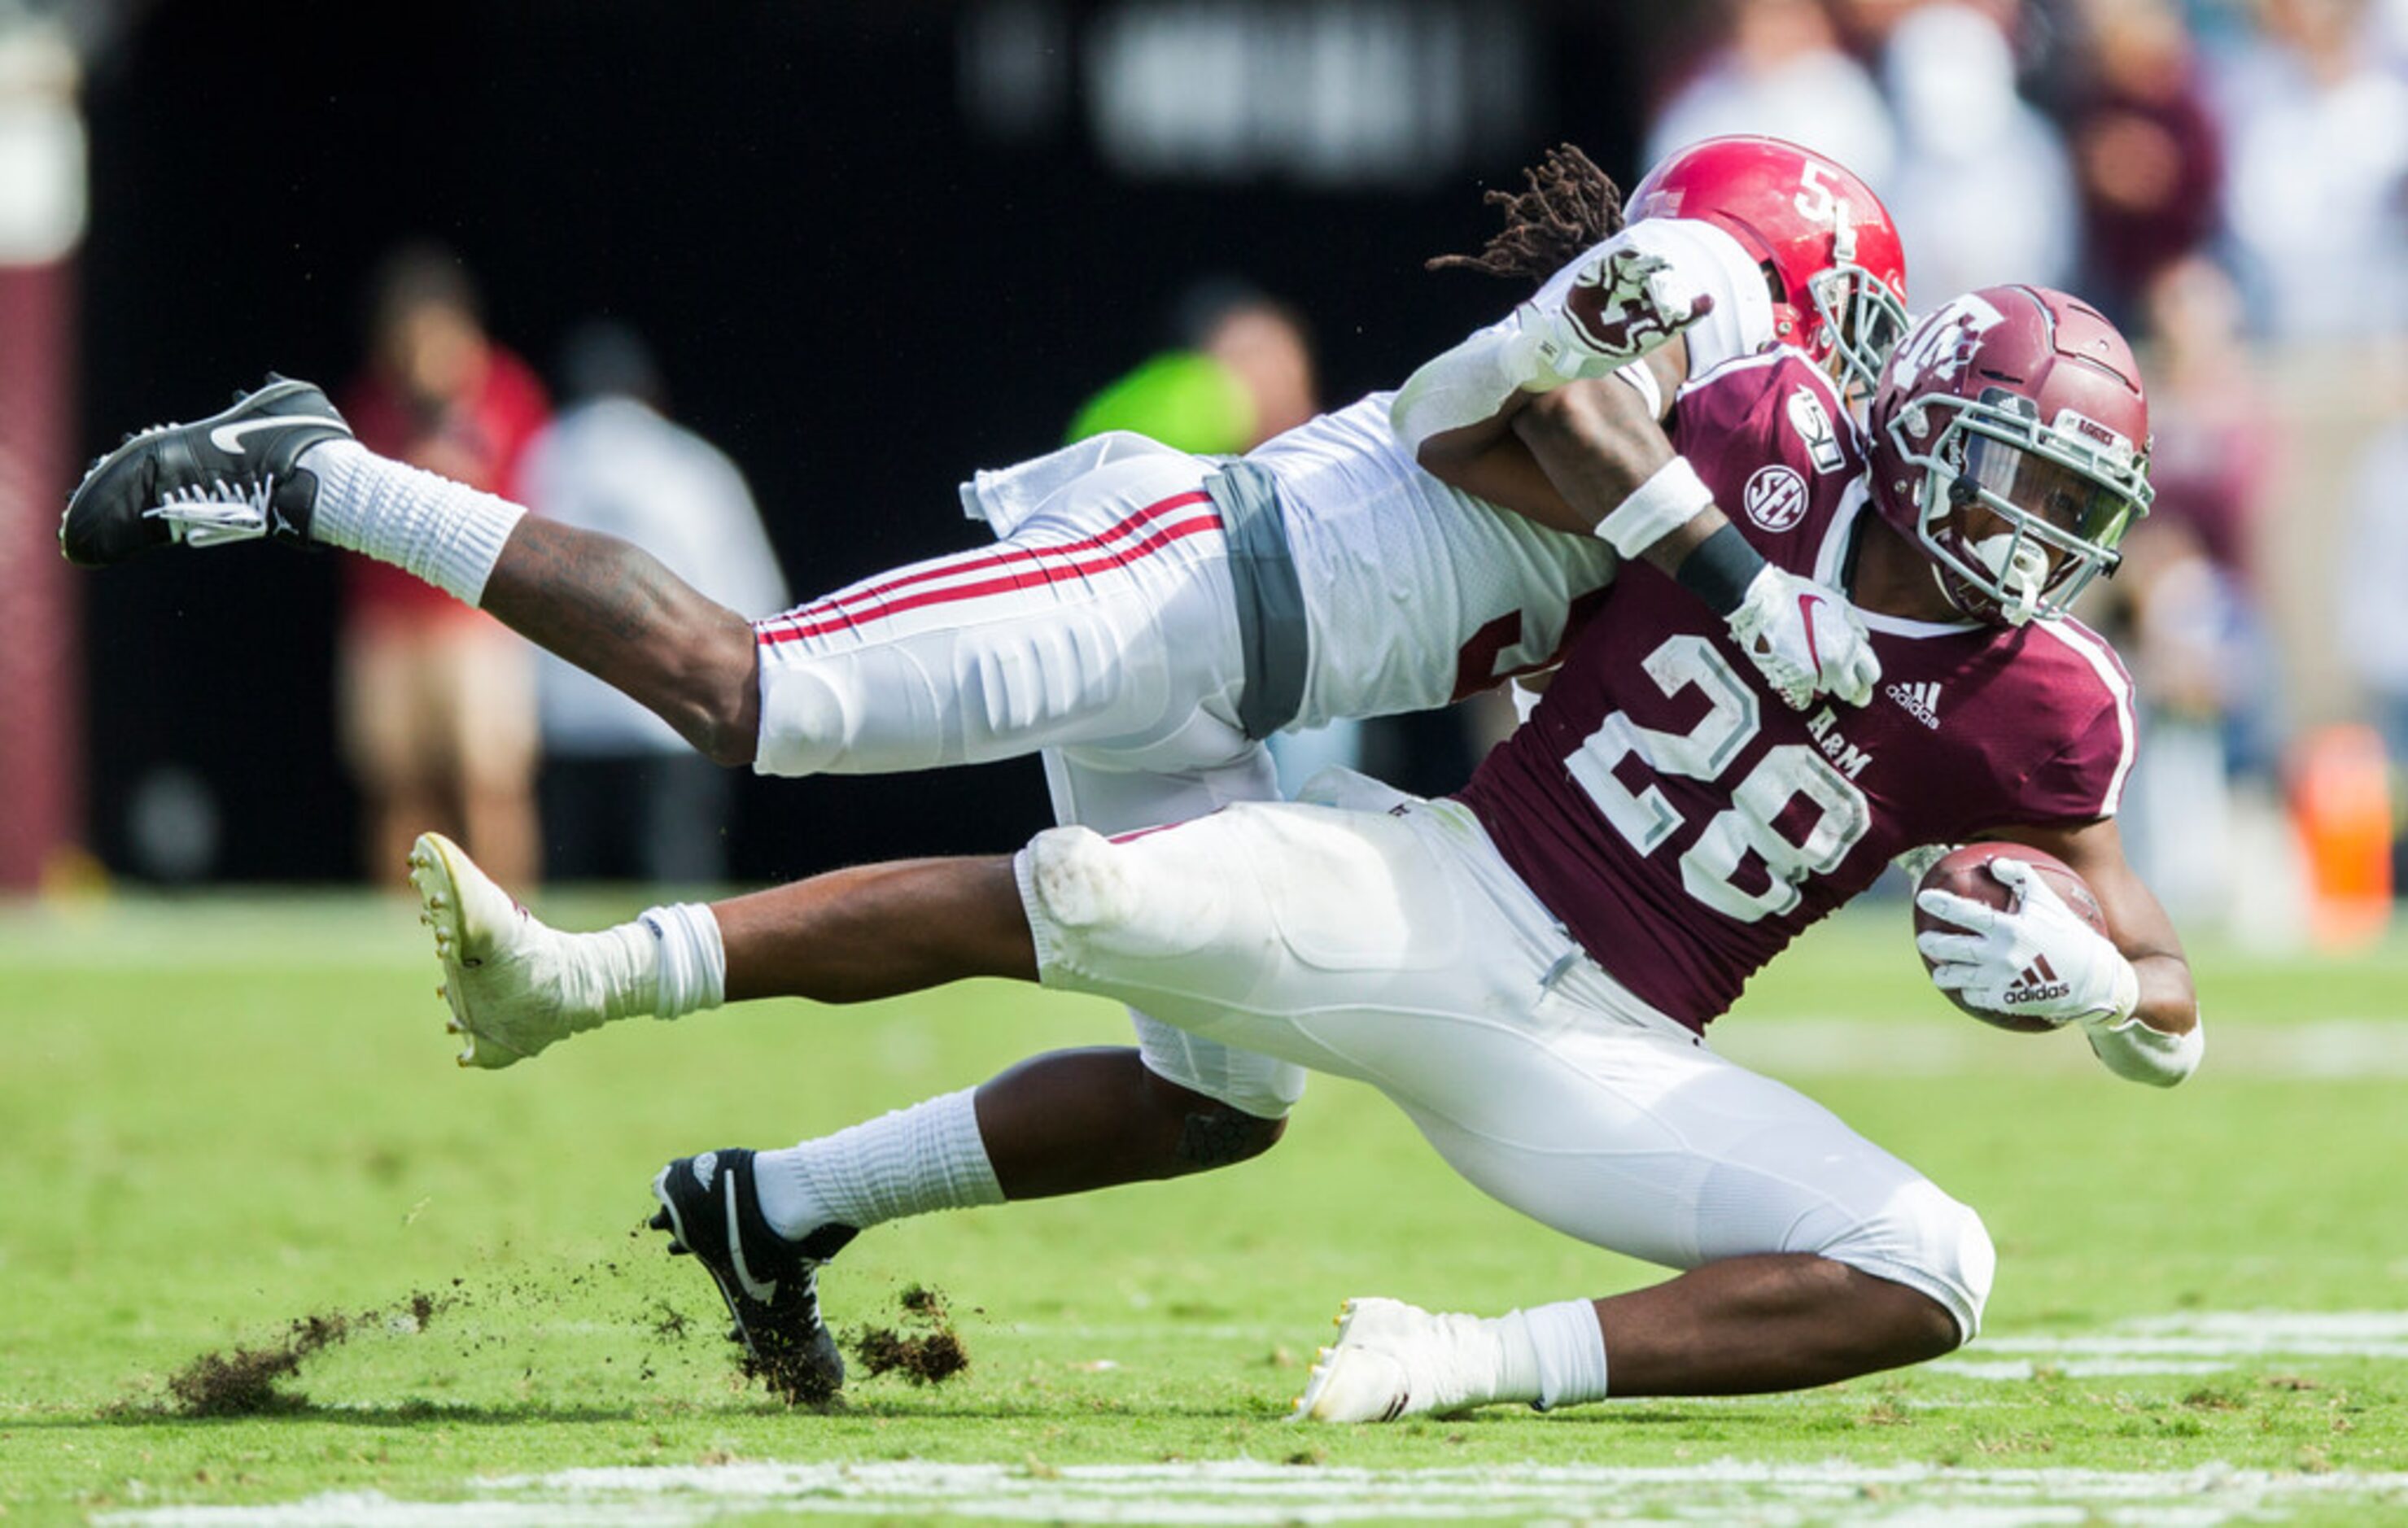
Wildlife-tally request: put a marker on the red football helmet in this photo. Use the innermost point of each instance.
(1825, 241)
(2011, 441)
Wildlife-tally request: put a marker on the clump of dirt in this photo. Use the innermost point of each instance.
(245, 1381)
(927, 1359)
(241, 1383)
(929, 1356)
(805, 1372)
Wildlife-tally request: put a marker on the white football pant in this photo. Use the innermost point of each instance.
(1101, 629)
(1383, 938)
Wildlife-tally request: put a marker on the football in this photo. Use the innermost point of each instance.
(1967, 873)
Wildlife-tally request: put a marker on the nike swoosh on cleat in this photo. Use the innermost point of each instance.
(754, 1288)
(228, 437)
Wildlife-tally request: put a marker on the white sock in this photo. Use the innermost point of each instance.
(614, 972)
(1569, 1347)
(927, 1157)
(1516, 1357)
(446, 532)
(667, 961)
(693, 969)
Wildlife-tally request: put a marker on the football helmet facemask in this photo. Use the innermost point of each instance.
(2010, 438)
(1826, 244)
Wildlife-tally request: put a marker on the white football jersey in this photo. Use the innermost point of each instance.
(1414, 593)
(1417, 594)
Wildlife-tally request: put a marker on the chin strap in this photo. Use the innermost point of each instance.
(2021, 569)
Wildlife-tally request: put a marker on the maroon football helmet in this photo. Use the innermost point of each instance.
(1825, 241)
(2011, 441)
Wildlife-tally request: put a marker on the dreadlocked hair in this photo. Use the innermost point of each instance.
(1569, 205)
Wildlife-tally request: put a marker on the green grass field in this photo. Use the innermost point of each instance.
(224, 1116)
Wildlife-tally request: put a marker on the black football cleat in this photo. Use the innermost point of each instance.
(771, 1284)
(228, 478)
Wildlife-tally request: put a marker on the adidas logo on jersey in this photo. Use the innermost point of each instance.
(1921, 701)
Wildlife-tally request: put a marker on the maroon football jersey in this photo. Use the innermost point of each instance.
(1685, 823)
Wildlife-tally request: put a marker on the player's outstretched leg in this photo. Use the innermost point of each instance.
(232, 477)
(516, 985)
(282, 464)
(711, 1210)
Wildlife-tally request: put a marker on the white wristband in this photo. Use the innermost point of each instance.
(2137, 1053)
(1671, 499)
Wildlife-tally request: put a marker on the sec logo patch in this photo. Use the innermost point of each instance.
(1775, 497)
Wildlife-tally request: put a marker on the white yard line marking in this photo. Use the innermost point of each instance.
(1245, 1492)
(2190, 1342)
(2269, 1326)
(2074, 1368)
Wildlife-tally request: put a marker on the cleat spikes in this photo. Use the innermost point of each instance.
(660, 1221)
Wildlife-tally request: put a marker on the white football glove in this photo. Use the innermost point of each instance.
(1805, 639)
(2036, 959)
(1622, 305)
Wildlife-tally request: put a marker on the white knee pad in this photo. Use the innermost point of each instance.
(1084, 896)
(803, 728)
(1931, 1244)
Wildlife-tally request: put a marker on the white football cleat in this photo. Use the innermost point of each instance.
(1393, 1359)
(511, 981)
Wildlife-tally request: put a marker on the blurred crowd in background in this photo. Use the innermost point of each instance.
(2230, 183)
(2227, 179)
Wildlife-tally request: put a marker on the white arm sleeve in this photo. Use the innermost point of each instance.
(1470, 382)
(2137, 1053)
(1473, 380)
